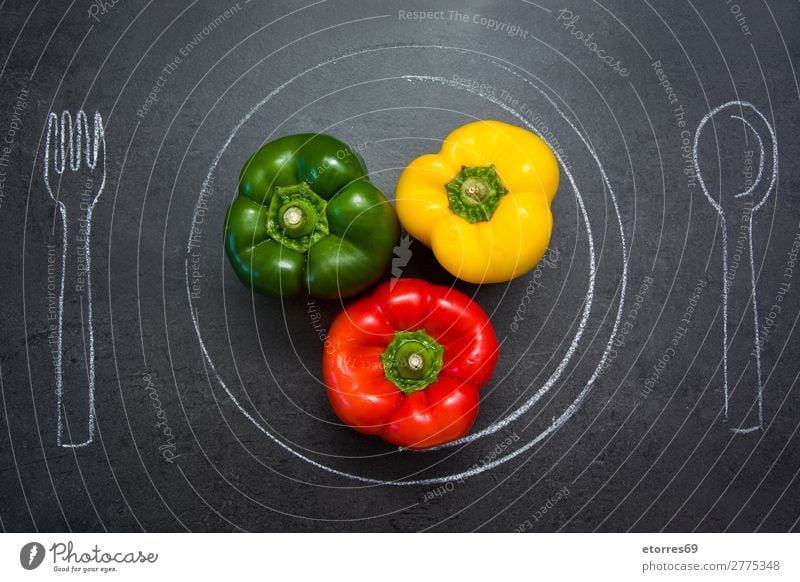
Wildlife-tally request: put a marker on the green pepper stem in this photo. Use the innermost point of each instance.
(293, 217)
(413, 360)
(296, 217)
(475, 193)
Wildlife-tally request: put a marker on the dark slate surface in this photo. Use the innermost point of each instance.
(642, 446)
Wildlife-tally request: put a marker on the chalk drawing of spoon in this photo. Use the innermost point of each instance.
(741, 348)
(72, 146)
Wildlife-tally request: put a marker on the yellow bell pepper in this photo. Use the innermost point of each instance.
(483, 202)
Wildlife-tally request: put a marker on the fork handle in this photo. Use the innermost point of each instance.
(74, 357)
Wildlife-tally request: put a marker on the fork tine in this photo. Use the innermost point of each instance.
(57, 147)
(51, 137)
(76, 149)
(82, 143)
(98, 139)
(68, 141)
(51, 150)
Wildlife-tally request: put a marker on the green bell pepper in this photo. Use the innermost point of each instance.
(308, 220)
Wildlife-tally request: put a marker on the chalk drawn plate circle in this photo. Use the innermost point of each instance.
(515, 415)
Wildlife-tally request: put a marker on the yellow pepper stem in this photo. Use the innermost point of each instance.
(475, 192)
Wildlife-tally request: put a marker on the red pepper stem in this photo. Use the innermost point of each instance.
(413, 360)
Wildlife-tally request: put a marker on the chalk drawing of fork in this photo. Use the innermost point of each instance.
(72, 146)
(744, 389)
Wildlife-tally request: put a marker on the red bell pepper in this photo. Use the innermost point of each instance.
(407, 362)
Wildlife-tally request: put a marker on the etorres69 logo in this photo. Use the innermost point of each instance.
(31, 555)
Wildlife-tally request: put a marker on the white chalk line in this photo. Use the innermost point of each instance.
(725, 282)
(537, 6)
(586, 218)
(757, 180)
(71, 139)
(557, 423)
(501, 424)
(592, 151)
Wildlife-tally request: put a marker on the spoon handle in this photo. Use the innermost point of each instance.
(741, 357)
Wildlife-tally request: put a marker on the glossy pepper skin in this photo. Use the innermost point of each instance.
(308, 220)
(483, 202)
(407, 362)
